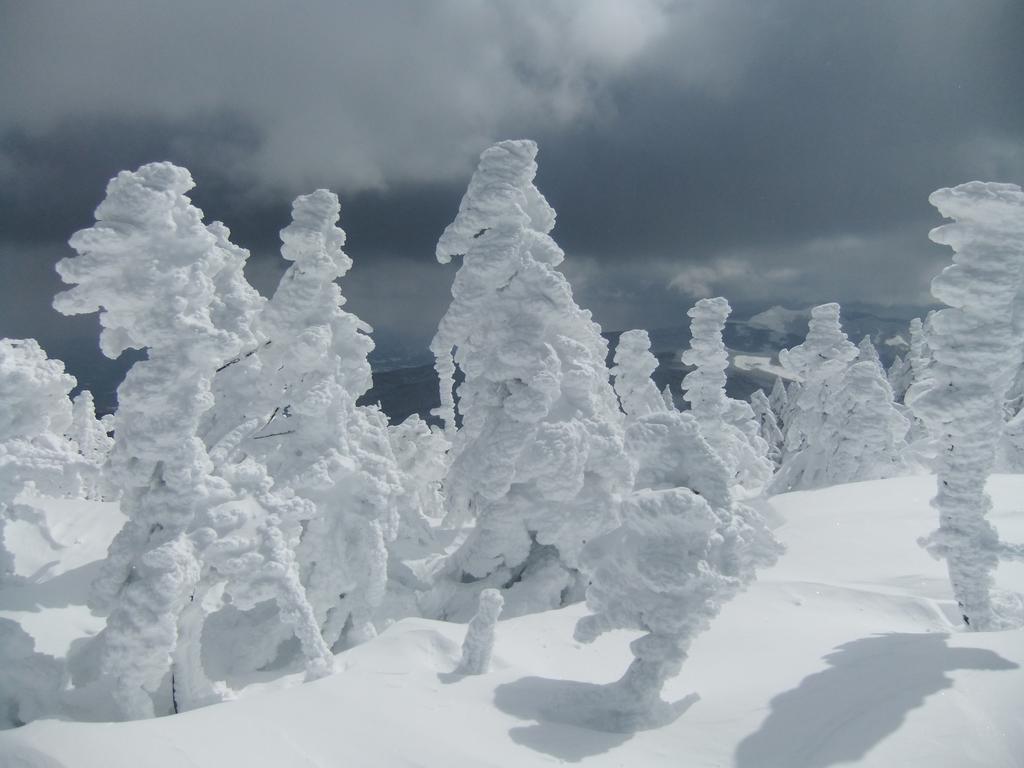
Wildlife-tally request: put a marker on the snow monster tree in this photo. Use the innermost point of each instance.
(539, 460)
(975, 350)
(157, 276)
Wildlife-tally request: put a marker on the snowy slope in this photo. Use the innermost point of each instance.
(844, 653)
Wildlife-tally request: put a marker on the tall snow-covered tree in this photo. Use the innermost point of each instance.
(767, 425)
(818, 364)
(633, 365)
(900, 376)
(728, 425)
(330, 462)
(539, 461)
(90, 435)
(778, 398)
(158, 277)
(975, 347)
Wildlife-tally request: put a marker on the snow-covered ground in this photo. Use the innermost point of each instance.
(847, 652)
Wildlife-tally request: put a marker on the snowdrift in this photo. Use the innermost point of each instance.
(847, 652)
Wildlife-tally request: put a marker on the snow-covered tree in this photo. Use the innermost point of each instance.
(479, 642)
(35, 414)
(865, 428)
(539, 461)
(778, 398)
(92, 438)
(685, 545)
(158, 277)
(975, 350)
(633, 366)
(728, 425)
(767, 425)
(330, 461)
(818, 364)
(866, 352)
(900, 377)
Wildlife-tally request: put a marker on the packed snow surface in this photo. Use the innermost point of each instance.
(846, 652)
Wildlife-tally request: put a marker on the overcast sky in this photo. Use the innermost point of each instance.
(772, 151)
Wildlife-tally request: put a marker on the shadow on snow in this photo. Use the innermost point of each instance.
(871, 684)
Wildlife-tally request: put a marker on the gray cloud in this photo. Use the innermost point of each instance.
(779, 151)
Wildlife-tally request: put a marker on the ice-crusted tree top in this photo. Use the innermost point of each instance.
(866, 352)
(33, 391)
(501, 188)
(307, 305)
(825, 341)
(705, 387)
(633, 366)
(156, 274)
(984, 235)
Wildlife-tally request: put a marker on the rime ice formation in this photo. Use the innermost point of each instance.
(767, 425)
(330, 461)
(666, 570)
(633, 366)
(35, 415)
(866, 352)
(864, 428)
(818, 363)
(94, 443)
(685, 545)
(421, 454)
(900, 376)
(479, 643)
(975, 352)
(159, 278)
(728, 425)
(539, 459)
(778, 398)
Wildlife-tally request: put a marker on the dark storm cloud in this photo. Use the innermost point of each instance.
(779, 151)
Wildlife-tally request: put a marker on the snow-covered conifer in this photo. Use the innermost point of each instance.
(35, 414)
(778, 398)
(865, 428)
(728, 425)
(632, 369)
(155, 273)
(975, 351)
(539, 460)
(900, 377)
(768, 425)
(311, 436)
(666, 570)
(819, 364)
(90, 435)
(479, 643)
(866, 352)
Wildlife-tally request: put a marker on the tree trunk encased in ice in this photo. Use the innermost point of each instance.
(975, 351)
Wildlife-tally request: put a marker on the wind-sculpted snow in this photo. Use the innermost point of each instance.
(539, 459)
(633, 366)
(728, 425)
(155, 273)
(975, 348)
